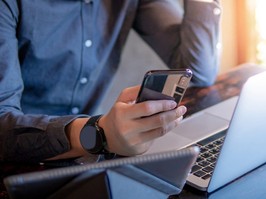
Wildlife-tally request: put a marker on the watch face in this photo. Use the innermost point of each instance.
(88, 137)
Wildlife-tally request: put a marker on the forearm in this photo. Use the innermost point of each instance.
(73, 130)
(199, 37)
(188, 40)
(32, 138)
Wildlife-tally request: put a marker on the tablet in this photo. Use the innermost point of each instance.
(172, 167)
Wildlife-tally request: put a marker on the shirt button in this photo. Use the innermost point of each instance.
(75, 110)
(88, 43)
(83, 80)
(216, 11)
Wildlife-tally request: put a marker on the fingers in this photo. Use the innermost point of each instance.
(138, 143)
(143, 109)
(149, 108)
(160, 120)
(150, 135)
(130, 128)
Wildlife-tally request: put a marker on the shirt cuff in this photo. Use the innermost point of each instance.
(59, 141)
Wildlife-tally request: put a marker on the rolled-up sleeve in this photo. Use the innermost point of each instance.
(25, 137)
(187, 39)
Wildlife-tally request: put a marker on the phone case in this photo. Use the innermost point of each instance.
(164, 84)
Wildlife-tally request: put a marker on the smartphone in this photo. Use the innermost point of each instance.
(164, 84)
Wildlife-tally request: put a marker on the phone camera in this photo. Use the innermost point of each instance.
(183, 81)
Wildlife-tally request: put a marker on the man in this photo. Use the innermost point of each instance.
(57, 58)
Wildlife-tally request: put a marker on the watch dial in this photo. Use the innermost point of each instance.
(88, 137)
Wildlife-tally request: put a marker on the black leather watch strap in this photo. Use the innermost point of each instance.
(95, 120)
(101, 142)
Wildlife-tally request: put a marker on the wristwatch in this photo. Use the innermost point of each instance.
(92, 138)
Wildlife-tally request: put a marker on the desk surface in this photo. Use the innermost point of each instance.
(227, 85)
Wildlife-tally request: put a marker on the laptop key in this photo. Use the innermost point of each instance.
(195, 168)
(207, 169)
(210, 146)
(212, 159)
(206, 155)
(199, 159)
(206, 177)
(218, 142)
(202, 149)
(212, 165)
(214, 151)
(199, 173)
(203, 163)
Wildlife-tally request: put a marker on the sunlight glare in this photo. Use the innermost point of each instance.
(261, 30)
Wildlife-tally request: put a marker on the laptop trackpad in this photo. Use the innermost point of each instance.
(201, 125)
(191, 130)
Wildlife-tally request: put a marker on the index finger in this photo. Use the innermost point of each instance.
(151, 107)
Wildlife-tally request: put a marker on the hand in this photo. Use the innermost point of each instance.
(130, 128)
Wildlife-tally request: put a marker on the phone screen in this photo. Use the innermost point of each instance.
(164, 84)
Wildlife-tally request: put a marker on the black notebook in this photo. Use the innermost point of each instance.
(167, 169)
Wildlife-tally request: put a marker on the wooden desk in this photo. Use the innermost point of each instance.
(227, 85)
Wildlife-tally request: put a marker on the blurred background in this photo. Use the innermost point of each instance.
(243, 32)
(243, 39)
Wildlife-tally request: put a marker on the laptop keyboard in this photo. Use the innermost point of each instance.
(209, 151)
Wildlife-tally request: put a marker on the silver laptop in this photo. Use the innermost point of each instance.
(231, 134)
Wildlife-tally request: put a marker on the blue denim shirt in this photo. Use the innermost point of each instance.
(57, 58)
